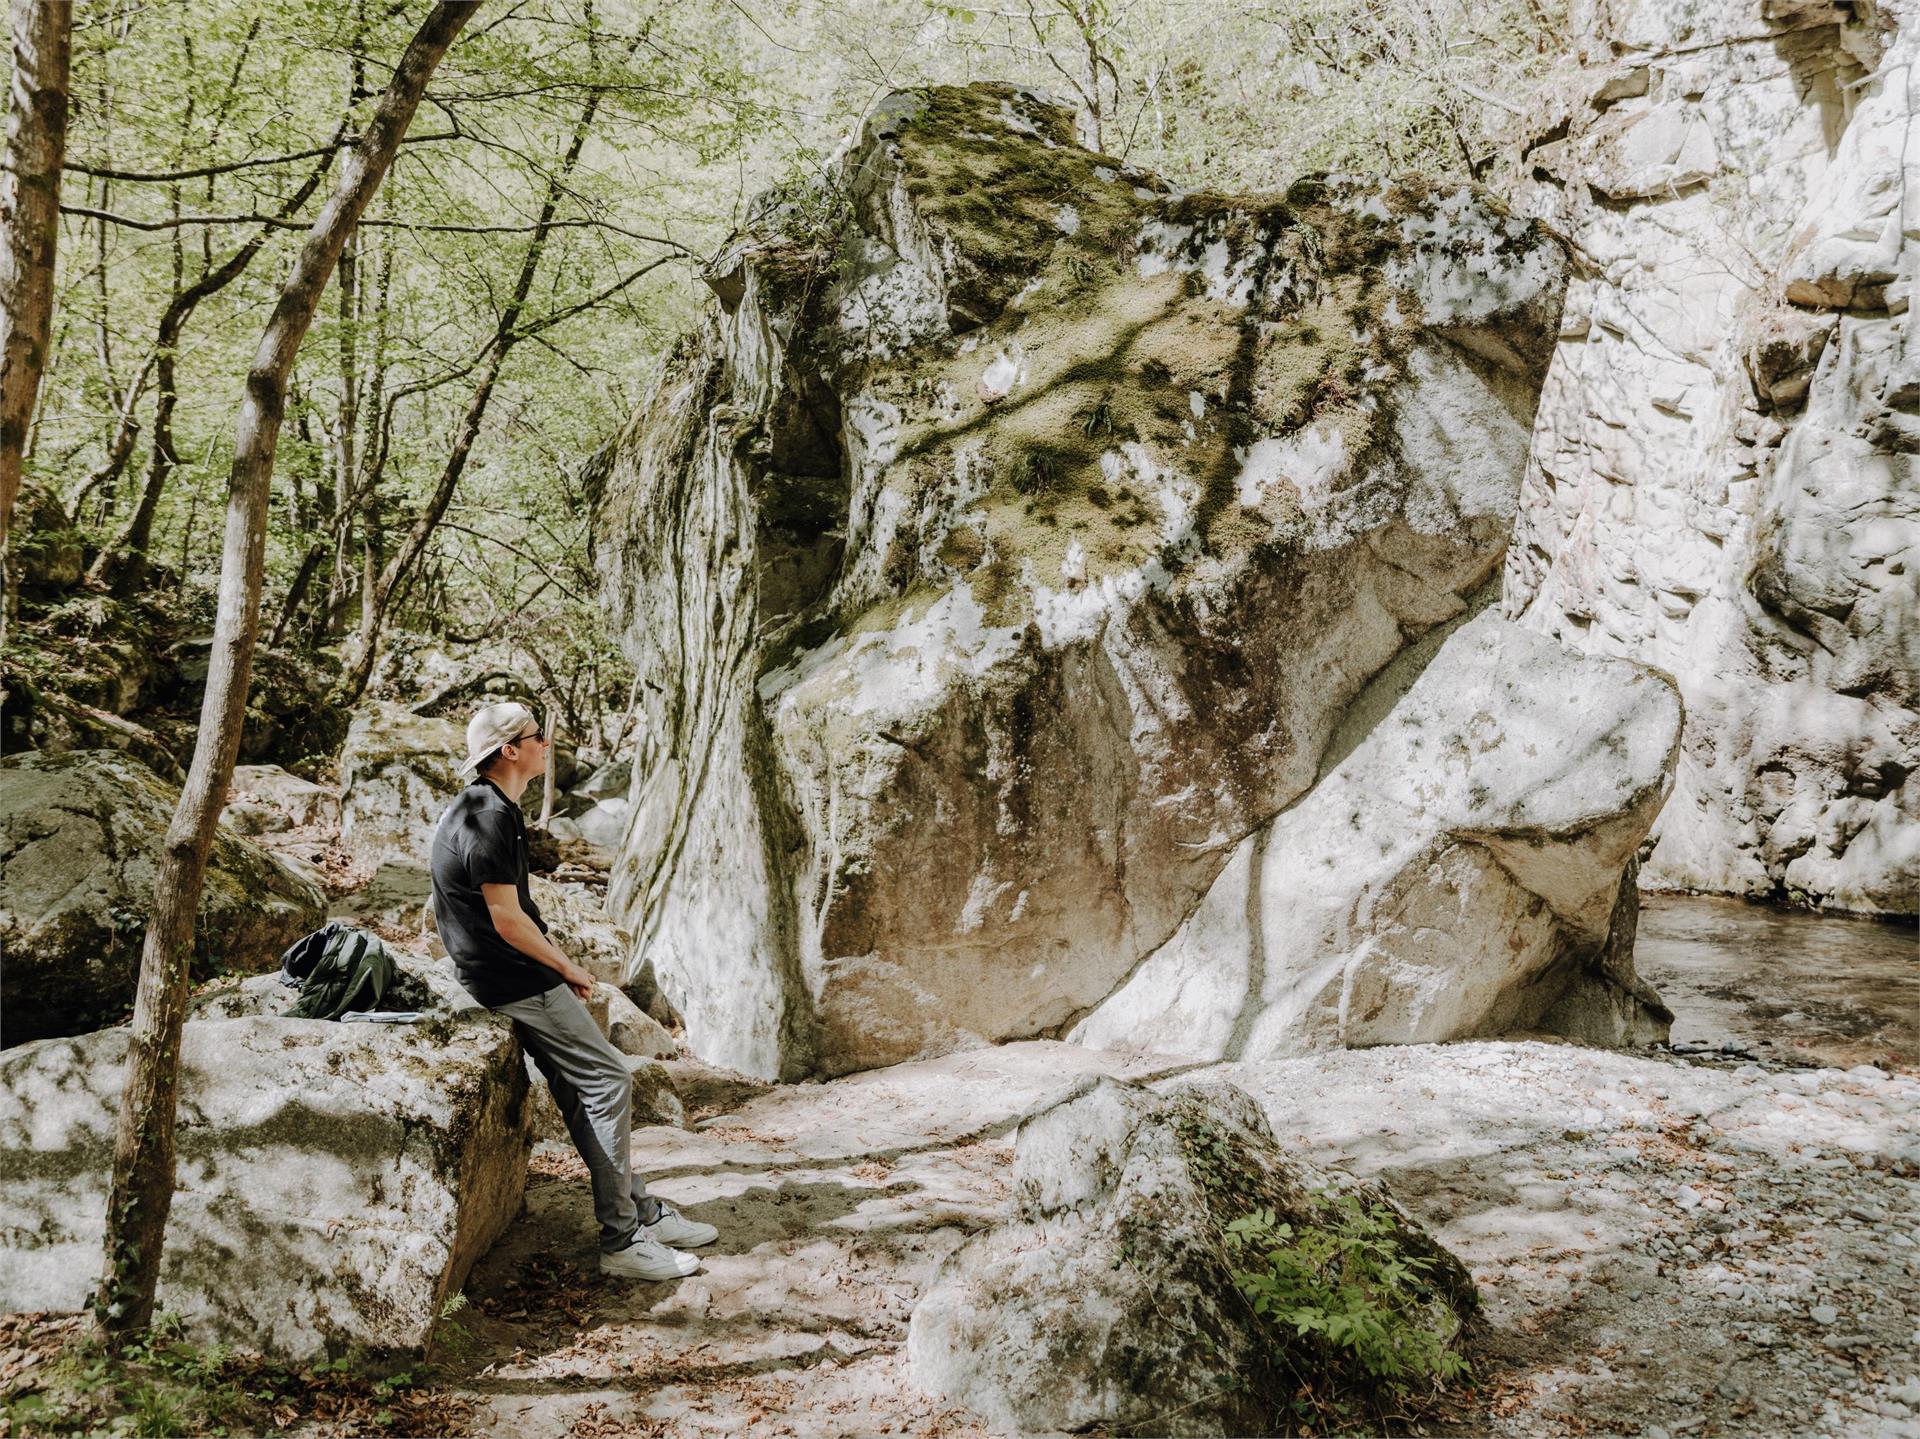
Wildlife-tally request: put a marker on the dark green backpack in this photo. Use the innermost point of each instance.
(339, 968)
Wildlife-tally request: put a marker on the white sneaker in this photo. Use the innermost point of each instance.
(645, 1257)
(673, 1227)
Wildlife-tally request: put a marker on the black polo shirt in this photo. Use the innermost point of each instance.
(482, 839)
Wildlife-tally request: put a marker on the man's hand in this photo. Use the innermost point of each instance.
(579, 980)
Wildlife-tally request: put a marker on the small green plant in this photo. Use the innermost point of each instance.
(452, 1340)
(1348, 1285)
(1037, 474)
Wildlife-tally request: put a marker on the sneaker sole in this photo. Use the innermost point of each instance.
(618, 1272)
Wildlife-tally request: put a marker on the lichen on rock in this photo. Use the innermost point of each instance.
(997, 560)
(80, 837)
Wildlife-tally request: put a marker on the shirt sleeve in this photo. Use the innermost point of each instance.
(492, 856)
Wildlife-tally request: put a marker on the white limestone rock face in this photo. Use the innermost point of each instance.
(80, 837)
(1722, 481)
(987, 592)
(350, 1174)
(1457, 872)
(1108, 1300)
(398, 771)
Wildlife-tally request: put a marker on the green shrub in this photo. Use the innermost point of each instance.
(1349, 1289)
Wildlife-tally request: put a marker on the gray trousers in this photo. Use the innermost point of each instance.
(594, 1091)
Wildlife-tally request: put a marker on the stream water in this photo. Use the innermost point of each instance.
(1790, 986)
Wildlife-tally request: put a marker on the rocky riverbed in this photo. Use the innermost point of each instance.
(1689, 1244)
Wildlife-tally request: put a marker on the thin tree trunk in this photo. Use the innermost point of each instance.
(297, 591)
(29, 232)
(122, 563)
(552, 771)
(340, 586)
(379, 596)
(143, 1151)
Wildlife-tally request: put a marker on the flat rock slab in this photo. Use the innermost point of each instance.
(335, 1181)
(79, 837)
(1554, 1171)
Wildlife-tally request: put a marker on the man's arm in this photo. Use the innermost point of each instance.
(517, 928)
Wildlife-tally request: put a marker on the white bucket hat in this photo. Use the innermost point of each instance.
(492, 727)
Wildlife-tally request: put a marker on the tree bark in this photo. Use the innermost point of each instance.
(552, 771)
(143, 1151)
(29, 232)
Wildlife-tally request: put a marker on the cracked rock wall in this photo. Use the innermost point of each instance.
(1722, 481)
(1005, 550)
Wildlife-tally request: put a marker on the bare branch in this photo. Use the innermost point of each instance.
(108, 172)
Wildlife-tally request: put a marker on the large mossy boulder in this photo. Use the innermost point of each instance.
(995, 564)
(1112, 1300)
(398, 771)
(334, 1184)
(292, 713)
(80, 836)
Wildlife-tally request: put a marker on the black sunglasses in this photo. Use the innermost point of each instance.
(539, 734)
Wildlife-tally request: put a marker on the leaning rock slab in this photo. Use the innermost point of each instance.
(398, 771)
(335, 1181)
(988, 589)
(1458, 872)
(1110, 1302)
(80, 834)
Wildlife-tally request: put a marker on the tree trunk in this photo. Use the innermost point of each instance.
(143, 1151)
(297, 591)
(29, 231)
(552, 771)
(123, 563)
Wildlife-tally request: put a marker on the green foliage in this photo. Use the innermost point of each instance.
(1039, 473)
(1347, 1285)
(162, 1384)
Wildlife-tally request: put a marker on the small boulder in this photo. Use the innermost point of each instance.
(605, 824)
(1112, 1300)
(398, 771)
(349, 1174)
(610, 781)
(633, 1031)
(273, 799)
(80, 835)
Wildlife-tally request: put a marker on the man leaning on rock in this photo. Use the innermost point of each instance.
(500, 949)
